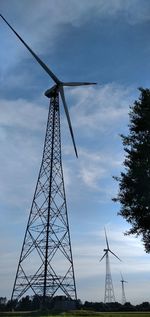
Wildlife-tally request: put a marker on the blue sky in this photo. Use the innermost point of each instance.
(98, 40)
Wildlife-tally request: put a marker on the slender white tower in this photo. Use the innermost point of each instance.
(123, 290)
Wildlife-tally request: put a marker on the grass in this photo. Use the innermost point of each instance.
(76, 313)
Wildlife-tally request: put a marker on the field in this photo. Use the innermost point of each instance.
(99, 314)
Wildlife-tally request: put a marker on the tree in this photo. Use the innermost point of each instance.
(24, 303)
(3, 301)
(134, 181)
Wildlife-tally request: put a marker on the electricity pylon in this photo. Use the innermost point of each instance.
(46, 266)
(109, 295)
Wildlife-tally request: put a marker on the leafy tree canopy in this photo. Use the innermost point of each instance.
(134, 181)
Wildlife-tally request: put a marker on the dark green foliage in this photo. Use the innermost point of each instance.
(134, 182)
(25, 307)
(3, 301)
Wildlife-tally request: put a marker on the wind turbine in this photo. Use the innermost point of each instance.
(123, 291)
(47, 243)
(109, 290)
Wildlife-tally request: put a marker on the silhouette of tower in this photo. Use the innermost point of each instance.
(123, 290)
(109, 295)
(47, 246)
(45, 266)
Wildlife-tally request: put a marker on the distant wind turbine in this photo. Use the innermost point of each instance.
(109, 290)
(123, 291)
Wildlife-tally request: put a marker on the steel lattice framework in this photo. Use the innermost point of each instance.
(47, 246)
(109, 290)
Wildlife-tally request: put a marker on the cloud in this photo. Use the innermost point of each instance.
(22, 114)
(95, 167)
(101, 108)
(20, 153)
(133, 12)
(43, 23)
(98, 116)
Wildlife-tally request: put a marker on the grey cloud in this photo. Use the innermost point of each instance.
(23, 114)
(41, 22)
(102, 107)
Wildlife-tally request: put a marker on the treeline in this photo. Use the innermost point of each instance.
(29, 303)
(115, 306)
(62, 303)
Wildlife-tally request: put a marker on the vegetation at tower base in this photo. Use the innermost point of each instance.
(134, 182)
(29, 306)
(56, 304)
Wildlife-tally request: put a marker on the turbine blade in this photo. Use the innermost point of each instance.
(61, 89)
(106, 239)
(121, 275)
(115, 255)
(43, 65)
(102, 257)
(78, 84)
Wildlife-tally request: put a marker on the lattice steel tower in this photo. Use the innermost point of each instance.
(47, 245)
(46, 264)
(109, 295)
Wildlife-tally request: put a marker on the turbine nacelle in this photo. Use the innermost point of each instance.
(108, 249)
(122, 279)
(56, 88)
(51, 92)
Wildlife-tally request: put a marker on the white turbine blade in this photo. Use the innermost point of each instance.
(44, 66)
(106, 239)
(61, 89)
(102, 257)
(78, 84)
(114, 255)
(121, 275)
(122, 279)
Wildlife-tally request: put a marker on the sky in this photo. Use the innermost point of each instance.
(98, 41)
